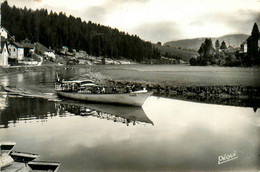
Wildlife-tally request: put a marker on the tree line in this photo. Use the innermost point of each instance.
(228, 56)
(57, 30)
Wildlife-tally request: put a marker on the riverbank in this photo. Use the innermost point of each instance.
(227, 86)
(247, 96)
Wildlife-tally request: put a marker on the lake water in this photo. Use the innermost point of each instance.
(163, 135)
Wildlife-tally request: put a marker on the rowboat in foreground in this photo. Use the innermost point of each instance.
(86, 90)
(21, 161)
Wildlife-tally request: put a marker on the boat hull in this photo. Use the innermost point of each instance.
(133, 99)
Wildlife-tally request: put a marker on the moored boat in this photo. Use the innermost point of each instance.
(87, 90)
(23, 156)
(20, 161)
(44, 166)
(5, 149)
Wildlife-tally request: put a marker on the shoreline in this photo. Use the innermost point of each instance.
(235, 95)
(246, 96)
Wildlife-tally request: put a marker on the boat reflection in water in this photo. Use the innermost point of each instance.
(40, 110)
(121, 114)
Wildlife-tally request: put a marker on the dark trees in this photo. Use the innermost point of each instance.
(253, 53)
(55, 30)
(217, 45)
(206, 53)
(223, 45)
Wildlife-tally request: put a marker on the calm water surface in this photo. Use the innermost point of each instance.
(163, 135)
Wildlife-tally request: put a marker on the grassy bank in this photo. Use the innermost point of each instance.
(182, 75)
(218, 85)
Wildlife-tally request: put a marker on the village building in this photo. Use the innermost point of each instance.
(251, 46)
(64, 50)
(45, 51)
(29, 49)
(4, 53)
(3, 32)
(243, 47)
(248, 44)
(16, 51)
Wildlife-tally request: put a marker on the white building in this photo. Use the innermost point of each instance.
(50, 53)
(64, 50)
(45, 51)
(4, 54)
(244, 47)
(3, 32)
(16, 50)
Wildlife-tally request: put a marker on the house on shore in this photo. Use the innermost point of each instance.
(16, 51)
(248, 43)
(251, 46)
(4, 53)
(243, 47)
(29, 49)
(45, 51)
(4, 33)
(64, 50)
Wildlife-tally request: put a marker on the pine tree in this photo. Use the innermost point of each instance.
(253, 54)
(217, 44)
(255, 32)
(223, 45)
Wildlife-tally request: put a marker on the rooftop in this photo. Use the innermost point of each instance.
(17, 44)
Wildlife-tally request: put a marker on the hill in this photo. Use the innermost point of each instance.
(183, 54)
(57, 30)
(234, 40)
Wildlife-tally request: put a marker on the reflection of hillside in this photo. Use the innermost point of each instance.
(121, 114)
(18, 108)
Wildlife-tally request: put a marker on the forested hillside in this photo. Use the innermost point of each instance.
(233, 40)
(55, 30)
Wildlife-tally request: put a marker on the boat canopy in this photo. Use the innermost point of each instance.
(88, 85)
(77, 82)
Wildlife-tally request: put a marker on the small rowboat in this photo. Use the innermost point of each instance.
(80, 90)
(23, 156)
(44, 166)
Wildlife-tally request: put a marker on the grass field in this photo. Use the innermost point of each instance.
(185, 55)
(183, 75)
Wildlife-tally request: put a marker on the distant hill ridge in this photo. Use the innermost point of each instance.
(232, 39)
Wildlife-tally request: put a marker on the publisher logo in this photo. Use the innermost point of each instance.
(227, 157)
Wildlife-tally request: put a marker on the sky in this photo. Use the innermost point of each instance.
(160, 20)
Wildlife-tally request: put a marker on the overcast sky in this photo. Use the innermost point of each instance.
(161, 20)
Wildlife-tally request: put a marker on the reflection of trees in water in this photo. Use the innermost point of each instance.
(85, 111)
(242, 102)
(17, 108)
(25, 108)
(3, 101)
